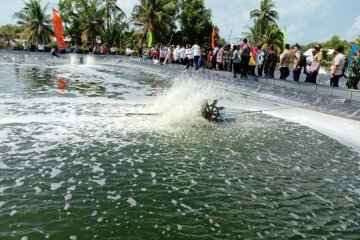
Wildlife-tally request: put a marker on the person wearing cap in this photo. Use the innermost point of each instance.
(316, 63)
(297, 60)
(337, 66)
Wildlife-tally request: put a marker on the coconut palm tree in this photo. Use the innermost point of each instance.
(91, 14)
(35, 22)
(154, 15)
(265, 16)
(273, 36)
(111, 10)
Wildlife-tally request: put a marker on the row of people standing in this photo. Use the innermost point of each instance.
(310, 65)
(242, 60)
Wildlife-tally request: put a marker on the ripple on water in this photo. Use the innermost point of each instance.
(80, 167)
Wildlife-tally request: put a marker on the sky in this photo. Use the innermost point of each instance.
(306, 20)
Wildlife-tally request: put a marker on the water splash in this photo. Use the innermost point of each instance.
(89, 60)
(73, 59)
(180, 105)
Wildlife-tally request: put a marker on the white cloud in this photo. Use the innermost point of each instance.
(354, 31)
(127, 6)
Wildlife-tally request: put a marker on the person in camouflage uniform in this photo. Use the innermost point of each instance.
(270, 62)
(224, 58)
(230, 59)
(354, 77)
(266, 62)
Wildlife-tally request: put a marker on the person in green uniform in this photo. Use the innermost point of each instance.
(271, 61)
(354, 77)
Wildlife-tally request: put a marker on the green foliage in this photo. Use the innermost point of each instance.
(117, 29)
(185, 21)
(9, 31)
(112, 9)
(195, 21)
(273, 36)
(157, 16)
(325, 54)
(87, 19)
(264, 18)
(35, 22)
(92, 15)
(334, 42)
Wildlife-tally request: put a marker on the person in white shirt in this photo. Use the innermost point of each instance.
(113, 50)
(176, 54)
(41, 47)
(128, 51)
(25, 46)
(219, 58)
(196, 52)
(182, 55)
(188, 58)
(337, 66)
(297, 62)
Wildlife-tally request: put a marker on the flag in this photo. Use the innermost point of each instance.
(150, 38)
(213, 38)
(354, 48)
(58, 29)
(285, 35)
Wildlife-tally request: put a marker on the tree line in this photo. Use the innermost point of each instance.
(88, 21)
(170, 21)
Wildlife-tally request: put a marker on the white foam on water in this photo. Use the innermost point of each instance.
(180, 105)
(101, 182)
(68, 197)
(37, 190)
(3, 189)
(89, 60)
(3, 165)
(115, 198)
(73, 59)
(132, 202)
(67, 206)
(55, 186)
(19, 181)
(54, 172)
(346, 131)
(97, 168)
(186, 207)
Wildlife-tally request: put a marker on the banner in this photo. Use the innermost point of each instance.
(354, 48)
(213, 38)
(150, 39)
(58, 29)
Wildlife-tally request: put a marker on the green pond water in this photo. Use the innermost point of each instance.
(74, 164)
